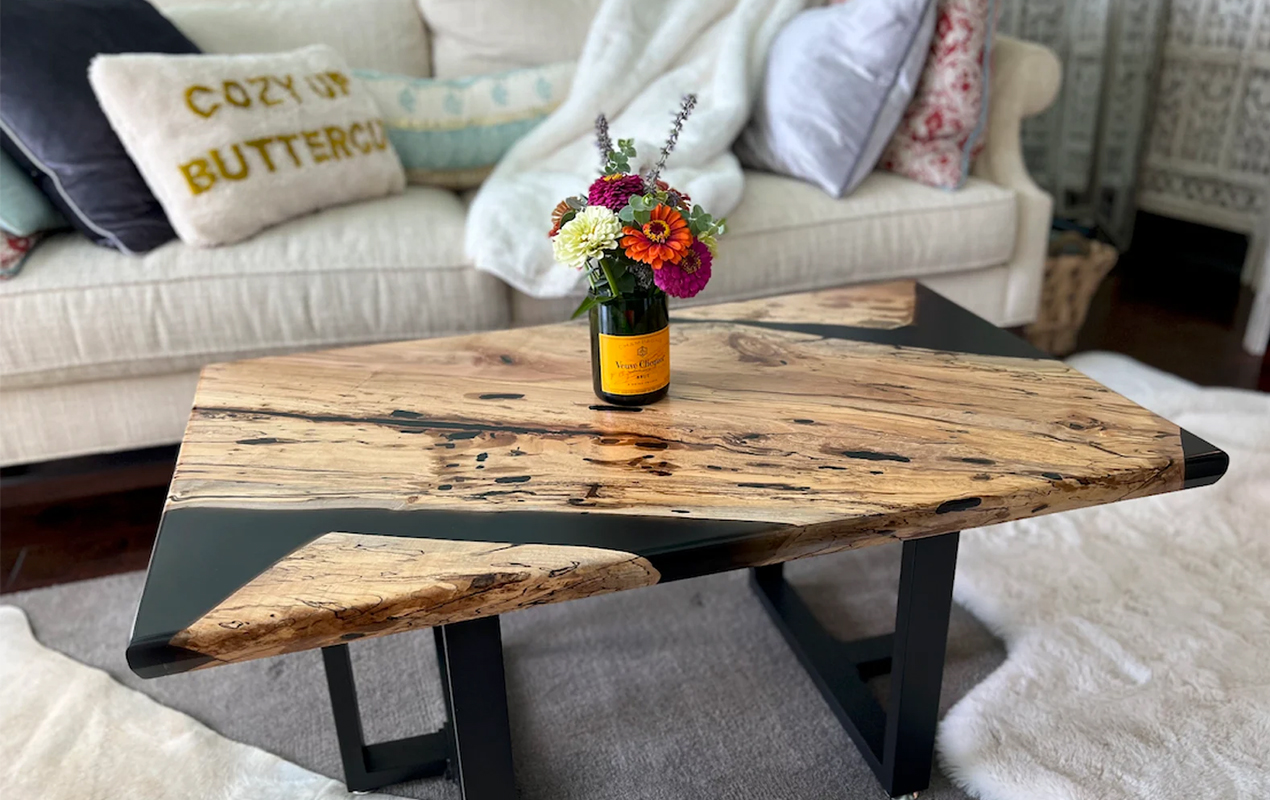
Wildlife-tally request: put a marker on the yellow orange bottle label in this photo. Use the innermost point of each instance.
(635, 364)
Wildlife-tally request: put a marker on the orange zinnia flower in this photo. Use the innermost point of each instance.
(662, 240)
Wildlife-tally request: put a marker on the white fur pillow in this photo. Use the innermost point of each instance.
(231, 144)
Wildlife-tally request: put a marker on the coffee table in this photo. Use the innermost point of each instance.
(321, 498)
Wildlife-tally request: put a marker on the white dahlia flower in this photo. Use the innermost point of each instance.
(594, 230)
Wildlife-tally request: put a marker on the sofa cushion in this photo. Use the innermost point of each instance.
(837, 82)
(370, 34)
(77, 419)
(24, 210)
(788, 236)
(52, 125)
(231, 144)
(385, 269)
(477, 37)
(450, 132)
(942, 130)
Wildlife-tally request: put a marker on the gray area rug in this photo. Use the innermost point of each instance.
(683, 690)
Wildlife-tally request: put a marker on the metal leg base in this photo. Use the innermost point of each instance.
(898, 743)
(473, 747)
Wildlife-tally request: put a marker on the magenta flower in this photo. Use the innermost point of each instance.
(612, 191)
(689, 276)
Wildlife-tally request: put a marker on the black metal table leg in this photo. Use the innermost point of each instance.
(476, 695)
(473, 746)
(899, 742)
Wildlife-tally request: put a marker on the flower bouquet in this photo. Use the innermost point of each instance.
(637, 239)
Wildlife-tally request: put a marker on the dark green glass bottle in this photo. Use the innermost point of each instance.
(630, 349)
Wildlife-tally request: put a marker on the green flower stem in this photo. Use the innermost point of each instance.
(608, 276)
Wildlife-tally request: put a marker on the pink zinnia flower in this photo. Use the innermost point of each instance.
(612, 191)
(689, 276)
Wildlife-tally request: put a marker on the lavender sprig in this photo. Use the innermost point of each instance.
(603, 142)
(685, 110)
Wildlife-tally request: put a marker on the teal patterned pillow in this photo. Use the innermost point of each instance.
(24, 210)
(451, 132)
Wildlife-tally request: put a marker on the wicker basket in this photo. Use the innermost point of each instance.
(1073, 272)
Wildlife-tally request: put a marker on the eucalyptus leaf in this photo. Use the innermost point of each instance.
(627, 214)
(588, 302)
(642, 217)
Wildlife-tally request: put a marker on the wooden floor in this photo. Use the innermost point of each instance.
(70, 528)
(1199, 339)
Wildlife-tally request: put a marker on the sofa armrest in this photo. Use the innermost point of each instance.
(1025, 81)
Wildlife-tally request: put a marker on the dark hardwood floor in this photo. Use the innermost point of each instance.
(1201, 341)
(97, 516)
(67, 540)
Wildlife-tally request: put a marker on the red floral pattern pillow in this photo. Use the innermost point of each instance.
(942, 130)
(14, 250)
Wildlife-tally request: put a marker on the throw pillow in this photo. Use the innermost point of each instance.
(13, 252)
(24, 210)
(52, 125)
(942, 131)
(370, 34)
(232, 144)
(838, 80)
(451, 133)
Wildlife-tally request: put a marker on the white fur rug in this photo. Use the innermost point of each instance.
(73, 733)
(1138, 633)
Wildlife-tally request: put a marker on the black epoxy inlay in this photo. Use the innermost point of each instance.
(496, 396)
(870, 455)
(938, 324)
(203, 555)
(1204, 465)
(158, 658)
(964, 504)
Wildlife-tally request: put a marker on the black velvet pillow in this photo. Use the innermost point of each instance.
(51, 122)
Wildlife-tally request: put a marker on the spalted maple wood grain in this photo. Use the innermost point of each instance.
(377, 585)
(815, 441)
(845, 442)
(884, 306)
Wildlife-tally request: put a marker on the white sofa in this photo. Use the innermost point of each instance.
(102, 350)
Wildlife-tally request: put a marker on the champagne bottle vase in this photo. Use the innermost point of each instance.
(630, 349)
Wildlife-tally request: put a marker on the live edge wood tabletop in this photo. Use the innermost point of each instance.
(323, 497)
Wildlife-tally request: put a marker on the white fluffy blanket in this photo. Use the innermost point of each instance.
(70, 732)
(1138, 633)
(640, 58)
